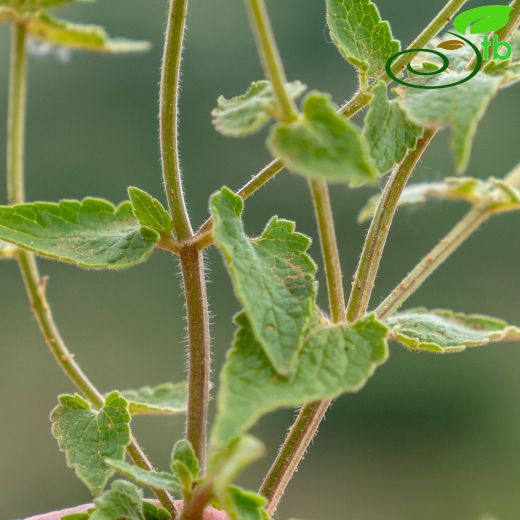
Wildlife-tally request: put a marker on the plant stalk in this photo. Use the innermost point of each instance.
(329, 247)
(360, 100)
(191, 259)
(271, 60)
(199, 349)
(374, 244)
(16, 116)
(169, 115)
(34, 283)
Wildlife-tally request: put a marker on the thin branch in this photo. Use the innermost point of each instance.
(374, 244)
(169, 114)
(443, 250)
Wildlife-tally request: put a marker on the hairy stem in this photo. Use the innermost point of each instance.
(169, 115)
(199, 349)
(191, 259)
(329, 248)
(291, 453)
(359, 101)
(34, 283)
(375, 241)
(271, 58)
(460, 233)
(16, 116)
(442, 251)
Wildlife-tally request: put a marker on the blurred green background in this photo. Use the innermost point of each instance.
(429, 438)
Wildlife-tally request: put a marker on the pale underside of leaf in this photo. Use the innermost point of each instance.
(335, 359)
(273, 278)
(387, 130)
(461, 107)
(494, 193)
(445, 331)
(46, 28)
(88, 437)
(246, 114)
(360, 35)
(164, 399)
(91, 233)
(324, 145)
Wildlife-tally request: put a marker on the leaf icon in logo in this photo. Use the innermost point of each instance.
(483, 19)
(451, 45)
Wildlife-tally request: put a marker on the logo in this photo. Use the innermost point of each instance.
(480, 20)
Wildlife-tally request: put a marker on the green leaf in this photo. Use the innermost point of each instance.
(150, 212)
(387, 130)
(34, 5)
(123, 501)
(152, 479)
(483, 19)
(246, 114)
(446, 331)
(272, 275)
(91, 233)
(88, 437)
(44, 27)
(335, 359)
(186, 466)
(152, 512)
(245, 505)
(360, 35)
(493, 192)
(323, 145)
(228, 462)
(76, 516)
(461, 107)
(164, 399)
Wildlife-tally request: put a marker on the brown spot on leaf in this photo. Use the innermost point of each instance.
(451, 45)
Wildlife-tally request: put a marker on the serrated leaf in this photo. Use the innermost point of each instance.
(323, 145)
(246, 114)
(150, 212)
(482, 19)
(245, 505)
(387, 130)
(227, 463)
(88, 437)
(446, 331)
(335, 359)
(44, 27)
(152, 479)
(360, 35)
(92, 233)
(272, 275)
(164, 399)
(461, 107)
(123, 501)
